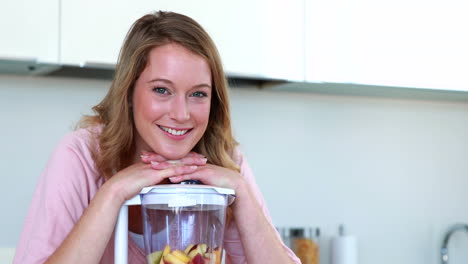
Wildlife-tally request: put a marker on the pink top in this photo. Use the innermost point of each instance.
(68, 183)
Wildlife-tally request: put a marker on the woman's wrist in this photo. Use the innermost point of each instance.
(242, 192)
(111, 195)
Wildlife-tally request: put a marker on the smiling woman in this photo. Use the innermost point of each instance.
(168, 101)
(171, 110)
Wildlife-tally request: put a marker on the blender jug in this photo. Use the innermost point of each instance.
(184, 224)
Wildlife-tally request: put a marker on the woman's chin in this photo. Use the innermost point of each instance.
(174, 156)
(172, 152)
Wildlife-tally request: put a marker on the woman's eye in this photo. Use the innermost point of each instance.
(160, 90)
(199, 94)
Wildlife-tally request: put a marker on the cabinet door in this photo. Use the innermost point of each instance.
(419, 44)
(255, 38)
(280, 38)
(29, 30)
(92, 32)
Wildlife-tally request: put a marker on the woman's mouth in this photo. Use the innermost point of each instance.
(173, 131)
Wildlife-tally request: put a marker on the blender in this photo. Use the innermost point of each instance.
(182, 223)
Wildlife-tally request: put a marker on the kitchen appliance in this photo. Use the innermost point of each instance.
(181, 221)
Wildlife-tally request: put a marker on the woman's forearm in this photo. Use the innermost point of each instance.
(89, 237)
(259, 239)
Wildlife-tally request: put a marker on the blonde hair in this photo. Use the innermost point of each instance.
(116, 141)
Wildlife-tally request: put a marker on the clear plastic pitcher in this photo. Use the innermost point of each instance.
(184, 224)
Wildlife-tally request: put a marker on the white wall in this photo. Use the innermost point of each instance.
(393, 171)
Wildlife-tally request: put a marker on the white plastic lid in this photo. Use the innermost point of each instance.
(177, 195)
(189, 188)
(181, 189)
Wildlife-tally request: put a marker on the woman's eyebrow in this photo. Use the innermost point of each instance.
(160, 80)
(201, 85)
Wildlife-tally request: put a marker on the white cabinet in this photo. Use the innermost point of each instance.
(30, 30)
(416, 43)
(255, 38)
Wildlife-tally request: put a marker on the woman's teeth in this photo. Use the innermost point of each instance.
(174, 131)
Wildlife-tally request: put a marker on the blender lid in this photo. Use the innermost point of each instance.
(177, 195)
(186, 188)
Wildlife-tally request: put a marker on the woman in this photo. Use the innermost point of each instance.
(168, 101)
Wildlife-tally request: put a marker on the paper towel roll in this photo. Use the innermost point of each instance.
(344, 250)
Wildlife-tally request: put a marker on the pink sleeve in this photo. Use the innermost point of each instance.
(61, 196)
(232, 242)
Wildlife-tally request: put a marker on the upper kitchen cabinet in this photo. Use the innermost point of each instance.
(258, 39)
(420, 44)
(30, 30)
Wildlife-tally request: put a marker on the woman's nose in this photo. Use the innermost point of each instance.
(179, 110)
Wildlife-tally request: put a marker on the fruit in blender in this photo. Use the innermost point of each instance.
(173, 259)
(193, 254)
(181, 255)
(198, 249)
(198, 259)
(166, 250)
(155, 257)
(188, 248)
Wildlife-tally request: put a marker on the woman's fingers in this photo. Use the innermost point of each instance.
(156, 176)
(211, 175)
(195, 154)
(178, 170)
(128, 182)
(202, 174)
(195, 160)
(199, 161)
(148, 157)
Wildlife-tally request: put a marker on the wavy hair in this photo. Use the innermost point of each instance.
(116, 140)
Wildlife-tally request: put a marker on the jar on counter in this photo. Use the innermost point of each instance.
(306, 249)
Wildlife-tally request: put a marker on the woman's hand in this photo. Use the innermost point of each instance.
(212, 175)
(160, 162)
(207, 173)
(128, 182)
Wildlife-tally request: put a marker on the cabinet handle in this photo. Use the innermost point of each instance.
(18, 59)
(98, 65)
(26, 65)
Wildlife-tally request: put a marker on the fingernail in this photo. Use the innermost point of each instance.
(154, 163)
(204, 160)
(193, 167)
(172, 178)
(144, 156)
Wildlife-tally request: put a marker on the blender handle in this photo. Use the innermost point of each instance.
(121, 237)
(121, 230)
(231, 199)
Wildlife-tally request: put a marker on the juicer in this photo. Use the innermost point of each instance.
(185, 221)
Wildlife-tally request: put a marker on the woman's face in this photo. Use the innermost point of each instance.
(171, 101)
